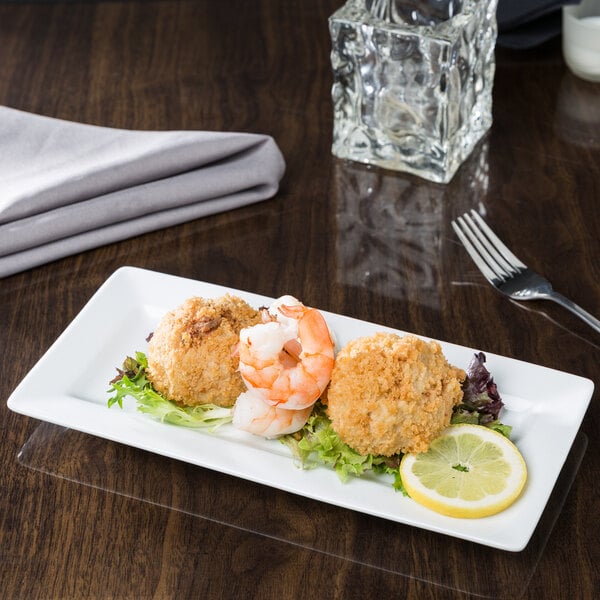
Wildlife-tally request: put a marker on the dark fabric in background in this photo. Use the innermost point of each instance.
(528, 23)
(521, 23)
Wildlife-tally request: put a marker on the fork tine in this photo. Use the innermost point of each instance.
(489, 252)
(482, 245)
(472, 251)
(506, 254)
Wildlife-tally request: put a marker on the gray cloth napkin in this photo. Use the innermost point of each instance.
(68, 187)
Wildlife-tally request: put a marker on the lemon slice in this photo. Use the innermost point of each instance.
(470, 471)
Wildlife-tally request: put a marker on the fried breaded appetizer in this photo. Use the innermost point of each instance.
(391, 394)
(191, 355)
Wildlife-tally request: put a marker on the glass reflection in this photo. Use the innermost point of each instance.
(391, 227)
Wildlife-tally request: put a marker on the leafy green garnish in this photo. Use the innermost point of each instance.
(474, 418)
(313, 445)
(317, 443)
(392, 468)
(481, 403)
(505, 430)
(132, 381)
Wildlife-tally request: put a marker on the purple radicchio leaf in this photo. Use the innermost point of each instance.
(480, 393)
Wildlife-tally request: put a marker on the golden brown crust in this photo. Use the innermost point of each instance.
(191, 356)
(390, 394)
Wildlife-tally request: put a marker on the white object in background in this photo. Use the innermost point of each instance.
(581, 39)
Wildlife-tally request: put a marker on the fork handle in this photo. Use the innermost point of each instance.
(574, 308)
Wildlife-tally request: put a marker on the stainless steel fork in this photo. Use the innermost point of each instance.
(505, 271)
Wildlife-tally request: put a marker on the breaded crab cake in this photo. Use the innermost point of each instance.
(191, 355)
(391, 394)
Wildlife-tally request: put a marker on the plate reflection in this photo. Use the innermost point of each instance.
(362, 539)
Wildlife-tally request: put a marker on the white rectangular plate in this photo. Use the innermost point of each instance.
(68, 387)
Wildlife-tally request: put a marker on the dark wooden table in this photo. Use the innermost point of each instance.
(82, 517)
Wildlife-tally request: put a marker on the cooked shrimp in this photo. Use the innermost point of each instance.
(289, 359)
(252, 414)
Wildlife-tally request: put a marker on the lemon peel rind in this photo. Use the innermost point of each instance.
(492, 503)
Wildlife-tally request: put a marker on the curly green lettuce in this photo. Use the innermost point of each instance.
(317, 443)
(132, 381)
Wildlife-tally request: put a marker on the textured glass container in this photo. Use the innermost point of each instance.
(412, 82)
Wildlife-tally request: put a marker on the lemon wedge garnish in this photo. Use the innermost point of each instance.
(470, 471)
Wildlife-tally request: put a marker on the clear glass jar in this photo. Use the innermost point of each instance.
(412, 87)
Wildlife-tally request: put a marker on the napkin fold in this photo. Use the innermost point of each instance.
(67, 187)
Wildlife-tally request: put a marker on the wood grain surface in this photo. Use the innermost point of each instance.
(87, 518)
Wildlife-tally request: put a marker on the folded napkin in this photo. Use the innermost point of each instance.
(68, 187)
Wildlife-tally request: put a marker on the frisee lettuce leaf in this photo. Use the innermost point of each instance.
(317, 443)
(132, 381)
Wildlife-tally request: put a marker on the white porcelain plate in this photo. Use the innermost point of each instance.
(68, 387)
